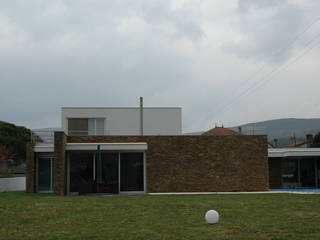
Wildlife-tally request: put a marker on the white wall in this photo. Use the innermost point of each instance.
(126, 121)
(12, 184)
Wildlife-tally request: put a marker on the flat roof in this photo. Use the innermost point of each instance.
(293, 152)
(122, 146)
(120, 107)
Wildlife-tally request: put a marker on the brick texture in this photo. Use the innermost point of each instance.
(60, 164)
(30, 169)
(195, 163)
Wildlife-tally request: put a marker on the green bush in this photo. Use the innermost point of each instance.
(6, 173)
(316, 140)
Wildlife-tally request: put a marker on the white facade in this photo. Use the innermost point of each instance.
(12, 184)
(293, 152)
(126, 121)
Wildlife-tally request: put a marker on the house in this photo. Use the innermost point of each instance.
(306, 143)
(221, 131)
(139, 150)
(295, 165)
(125, 121)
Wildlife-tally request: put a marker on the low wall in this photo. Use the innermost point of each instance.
(12, 184)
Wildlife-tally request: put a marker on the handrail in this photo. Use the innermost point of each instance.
(45, 136)
(87, 133)
(41, 136)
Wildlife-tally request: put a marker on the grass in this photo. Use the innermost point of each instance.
(258, 216)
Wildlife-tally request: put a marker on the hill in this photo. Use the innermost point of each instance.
(282, 129)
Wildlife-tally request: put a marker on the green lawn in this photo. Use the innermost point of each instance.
(259, 216)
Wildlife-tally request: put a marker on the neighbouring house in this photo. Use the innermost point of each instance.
(297, 144)
(221, 131)
(295, 165)
(306, 143)
(139, 150)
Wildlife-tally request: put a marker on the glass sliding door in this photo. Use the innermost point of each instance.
(86, 126)
(45, 165)
(290, 173)
(96, 126)
(110, 173)
(131, 172)
(300, 173)
(120, 171)
(318, 172)
(81, 172)
(307, 172)
(78, 126)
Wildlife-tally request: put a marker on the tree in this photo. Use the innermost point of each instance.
(316, 140)
(14, 138)
(6, 153)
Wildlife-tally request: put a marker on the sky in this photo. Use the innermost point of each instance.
(224, 62)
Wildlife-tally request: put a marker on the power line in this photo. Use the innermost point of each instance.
(271, 75)
(287, 46)
(257, 85)
(276, 54)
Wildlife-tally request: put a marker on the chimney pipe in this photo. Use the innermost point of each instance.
(141, 116)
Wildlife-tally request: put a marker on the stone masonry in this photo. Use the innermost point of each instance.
(30, 169)
(200, 163)
(60, 164)
(179, 163)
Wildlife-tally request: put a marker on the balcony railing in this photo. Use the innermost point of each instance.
(42, 136)
(47, 136)
(88, 133)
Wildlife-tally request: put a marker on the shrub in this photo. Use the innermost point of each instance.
(6, 173)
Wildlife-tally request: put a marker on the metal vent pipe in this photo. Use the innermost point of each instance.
(141, 116)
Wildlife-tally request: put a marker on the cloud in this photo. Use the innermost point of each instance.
(265, 29)
(193, 54)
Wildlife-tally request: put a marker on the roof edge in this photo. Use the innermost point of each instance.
(120, 107)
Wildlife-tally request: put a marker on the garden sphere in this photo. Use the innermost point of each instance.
(212, 217)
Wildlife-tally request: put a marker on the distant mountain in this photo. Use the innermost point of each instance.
(283, 129)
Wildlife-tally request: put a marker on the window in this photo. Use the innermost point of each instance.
(81, 172)
(121, 171)
(290, 173)
(96, 126)
(45, 170)
(86, 126)
(131, 172)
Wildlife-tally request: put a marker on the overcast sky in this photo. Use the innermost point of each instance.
(229, 62)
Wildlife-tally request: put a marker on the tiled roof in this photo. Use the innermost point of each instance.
(296, 144)
(220, 131)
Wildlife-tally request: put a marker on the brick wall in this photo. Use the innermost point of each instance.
(199, 163)
(30, 169)
(60, 164)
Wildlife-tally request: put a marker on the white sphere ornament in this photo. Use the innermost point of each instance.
(212, 217)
